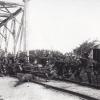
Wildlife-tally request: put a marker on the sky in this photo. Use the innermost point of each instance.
(61, 24)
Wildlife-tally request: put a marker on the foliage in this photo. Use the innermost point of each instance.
(71, 65)
(46, 55)
(72, 61)
(22, 57)
(84, 49)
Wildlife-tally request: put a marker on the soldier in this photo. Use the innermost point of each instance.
(89, 69)
(1, 67)
(47, 71)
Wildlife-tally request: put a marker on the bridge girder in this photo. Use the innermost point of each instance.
(6, 15)
(10, 17)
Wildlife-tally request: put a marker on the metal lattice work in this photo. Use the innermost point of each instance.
(11, 25)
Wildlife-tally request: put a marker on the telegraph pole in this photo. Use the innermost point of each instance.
(25, 30)
(24, 25)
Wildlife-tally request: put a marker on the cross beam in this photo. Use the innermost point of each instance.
(10, 17)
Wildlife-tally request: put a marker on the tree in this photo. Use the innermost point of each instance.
(84, 49)
(45, 55)
(22, 57)
(72, 61)
(73, 67)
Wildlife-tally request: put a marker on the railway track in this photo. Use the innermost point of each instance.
(85, 97)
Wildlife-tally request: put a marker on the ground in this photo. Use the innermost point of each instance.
(30, 91)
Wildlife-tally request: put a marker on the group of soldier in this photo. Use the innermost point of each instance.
(9, 66)
(12, 66)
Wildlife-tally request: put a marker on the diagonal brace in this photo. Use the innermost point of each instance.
(10, 17)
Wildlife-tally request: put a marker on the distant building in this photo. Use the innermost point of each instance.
(95, 53)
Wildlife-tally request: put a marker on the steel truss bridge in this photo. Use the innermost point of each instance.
(12, 26)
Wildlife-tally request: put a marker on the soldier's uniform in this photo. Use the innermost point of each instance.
(89, 69)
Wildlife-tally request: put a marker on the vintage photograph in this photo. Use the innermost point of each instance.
(49, 49)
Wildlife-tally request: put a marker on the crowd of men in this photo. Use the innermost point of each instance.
(11, 66)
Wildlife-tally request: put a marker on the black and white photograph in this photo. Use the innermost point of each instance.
(49, 49)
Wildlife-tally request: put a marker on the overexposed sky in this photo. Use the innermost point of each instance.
(61, 24)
